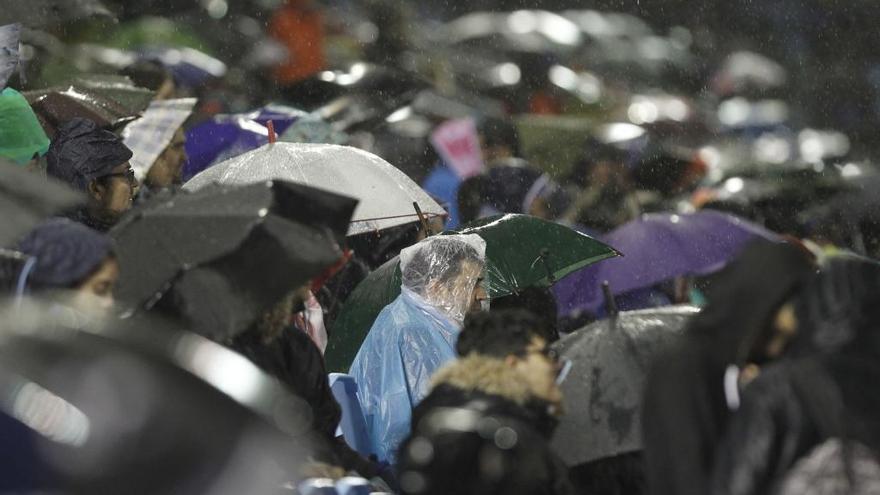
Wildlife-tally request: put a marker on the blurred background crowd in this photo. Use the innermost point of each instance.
(496, 246)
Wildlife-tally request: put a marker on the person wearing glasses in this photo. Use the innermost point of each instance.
(95, 161)
(506, 374)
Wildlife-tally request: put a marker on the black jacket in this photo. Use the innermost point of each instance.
(685, 412)
(489, 390)
(294, 359)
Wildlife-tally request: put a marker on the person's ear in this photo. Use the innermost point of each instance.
(97, 190)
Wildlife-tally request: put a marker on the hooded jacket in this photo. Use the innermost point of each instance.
(491, 388)
(409, 341)
(685, 411)
(414, 335)
(823, 395)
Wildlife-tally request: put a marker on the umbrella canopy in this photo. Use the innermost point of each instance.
(42, 13)
(27, 198)
(385, 193)
(605, 386)
(521, 251)
(221, 256)
(150, 135)
(658, 247)
(55, 106)
(9, 37)
(81, 395)
(229, 135)
(120, 89)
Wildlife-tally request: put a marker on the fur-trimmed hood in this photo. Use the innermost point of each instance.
(484, 374)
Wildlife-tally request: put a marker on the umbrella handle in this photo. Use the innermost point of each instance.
(422, 219)
(610, 303)
(270, 128)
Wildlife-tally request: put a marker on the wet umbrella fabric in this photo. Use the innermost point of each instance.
(55, 106)
(521, 251)
(609, 361)
(191, 428)
(9, 37)
(27, 198)
(221, 256)
(658, 247)
(227, 136)
(41, 13)
(385, 193)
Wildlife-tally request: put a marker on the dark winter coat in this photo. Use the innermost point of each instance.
(685, 411)
(828, 393)
(294, 359)
(495, 393)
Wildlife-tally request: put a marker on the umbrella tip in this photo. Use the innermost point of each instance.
(270, 127)
(610, 303)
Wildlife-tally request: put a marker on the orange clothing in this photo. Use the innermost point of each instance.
(300, 28)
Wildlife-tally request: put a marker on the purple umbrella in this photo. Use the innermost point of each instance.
(658, 247)
(225, 136)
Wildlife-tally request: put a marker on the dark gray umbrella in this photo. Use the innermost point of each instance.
(42, 13)
(223, 255)
(603, 392)
(26, 199)
(99, 407)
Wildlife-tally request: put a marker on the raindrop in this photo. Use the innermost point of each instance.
(413, 482)
(506, 438)
(421, 450)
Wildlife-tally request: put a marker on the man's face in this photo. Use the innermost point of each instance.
(472, 272)
(462, 294)
(539, 368)
(112, 195)
(95, 295)
(167, 170)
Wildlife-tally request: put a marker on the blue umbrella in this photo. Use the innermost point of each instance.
(225, 136)
(656, 248)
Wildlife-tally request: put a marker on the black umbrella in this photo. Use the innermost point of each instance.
(26, 198)
(603, 392)
(90, 408)
(221, 256)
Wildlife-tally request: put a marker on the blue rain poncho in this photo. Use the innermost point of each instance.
(415, 335)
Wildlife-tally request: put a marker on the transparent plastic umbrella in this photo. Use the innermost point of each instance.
(385, 193)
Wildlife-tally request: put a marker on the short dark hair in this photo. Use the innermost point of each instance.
(498, 333)
(537, 300)
(149, 74)
(500, 132)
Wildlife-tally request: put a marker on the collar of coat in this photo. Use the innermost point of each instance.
(484, 374)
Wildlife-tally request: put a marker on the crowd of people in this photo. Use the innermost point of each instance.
(362, 349)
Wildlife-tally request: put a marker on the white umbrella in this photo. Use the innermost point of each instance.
(386, 194)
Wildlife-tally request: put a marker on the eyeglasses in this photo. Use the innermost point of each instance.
(547, 352)
(128, 175)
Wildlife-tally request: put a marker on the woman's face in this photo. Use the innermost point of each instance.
(95, 294)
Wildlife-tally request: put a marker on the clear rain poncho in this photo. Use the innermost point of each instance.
(415, 335)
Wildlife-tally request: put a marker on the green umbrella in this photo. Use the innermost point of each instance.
(521, 251)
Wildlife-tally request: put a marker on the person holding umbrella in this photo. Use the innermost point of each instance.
(507, 372)
(95, 161)
(72, 261)
(415, 335)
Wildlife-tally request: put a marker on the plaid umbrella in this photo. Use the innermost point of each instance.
(148, 136)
